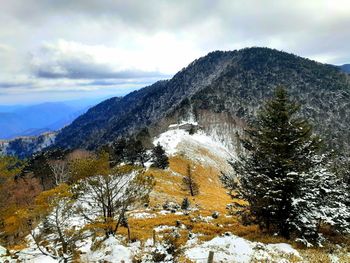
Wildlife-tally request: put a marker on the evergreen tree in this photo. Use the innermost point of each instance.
(160, 159)
(341, 168)
(118, 151)
(185, 204)
(319, 200)
(280, 147)
(135, 152)
(192, 130)
(130, 151)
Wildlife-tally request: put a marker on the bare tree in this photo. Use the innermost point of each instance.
(79, 154)
(189, 183)
(55, 235)
(105, 198)
(60, 171)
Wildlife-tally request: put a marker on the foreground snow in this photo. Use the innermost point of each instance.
(110, 251)
(228, 248)
(232, 248)
(30, 254)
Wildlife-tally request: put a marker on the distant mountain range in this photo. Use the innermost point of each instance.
(32, 120)
(222, 92)
(345, 68)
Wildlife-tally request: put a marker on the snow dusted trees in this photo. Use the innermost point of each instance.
(320, 199)
(130, 151)
(88, 196)
(281, 175)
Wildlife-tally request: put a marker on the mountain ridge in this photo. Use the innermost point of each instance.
(345, 68)
(156, 99)
(232, 82)
(222, 91)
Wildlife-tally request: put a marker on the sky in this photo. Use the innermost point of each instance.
(73, 49)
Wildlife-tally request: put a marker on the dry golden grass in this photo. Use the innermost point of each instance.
(212, 196)
(18, 247)
(345, 257)
(315, 255)
(142, 229)
(321, 254)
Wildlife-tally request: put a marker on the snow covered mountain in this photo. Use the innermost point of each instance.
(222, 91)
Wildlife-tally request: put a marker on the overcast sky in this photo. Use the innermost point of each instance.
(69, 49)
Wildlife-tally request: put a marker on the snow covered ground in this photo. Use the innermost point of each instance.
(231, 248)
(2, 251)
(110, 250)
(174, 141)
(30, 255)
(228, 248)
(199, 147)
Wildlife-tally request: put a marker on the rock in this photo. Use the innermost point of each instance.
(215, 215)
(171, 206)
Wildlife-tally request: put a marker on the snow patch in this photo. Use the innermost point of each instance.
(236, 249)
(30, 254)
(43, 259)
(142, 215)
(2, 251)
(110, 251)
(179, 141)
(164, 228)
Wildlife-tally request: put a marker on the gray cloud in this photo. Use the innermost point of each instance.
(115, 82)
(73, 60)
(77, 70)
(9, 85)
(159, 37)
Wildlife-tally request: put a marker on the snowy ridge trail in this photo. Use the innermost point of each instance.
(199, 147)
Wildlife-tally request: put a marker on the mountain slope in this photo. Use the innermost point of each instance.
(222, 90)
(23, 147)
(141, 108)
(208, 224)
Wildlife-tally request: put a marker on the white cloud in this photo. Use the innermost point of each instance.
(150, 56)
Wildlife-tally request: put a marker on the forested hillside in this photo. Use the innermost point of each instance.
(231, 83)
